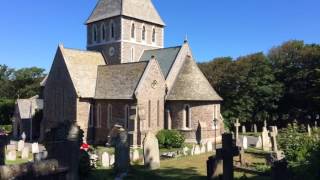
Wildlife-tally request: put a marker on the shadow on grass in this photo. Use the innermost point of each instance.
(139, 172)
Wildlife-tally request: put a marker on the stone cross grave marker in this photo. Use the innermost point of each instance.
(309, 131)
(244, 129)
(25, 153)
(151, 152)
(255, 129)
(105, 160)
(237, 125)
(20, 145)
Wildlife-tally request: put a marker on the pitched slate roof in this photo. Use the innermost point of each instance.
(165, 57)
(82, 67)
(119, 81)
(192, 85)
(28, 107)
(139, 9)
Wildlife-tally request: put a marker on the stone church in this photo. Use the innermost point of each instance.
(127, 77)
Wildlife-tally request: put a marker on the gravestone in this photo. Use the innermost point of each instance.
(11, 147)
(244, 129)
(192, 150)
(265, 124)
(237, 125)
(197, 150)
(266, 144)
(35, 148)
(245, 142)
(185, 151)
(112, 160)
(25, 153)
(209, 146)
(225, 153)
(105, 160)
(135, 155)
(276, 130)
(203, 149)
(242, 157)
(259, 143)
(11, 155)
(309, 131)
(276, 155)
(255, 129)
(23, 136)
(20, 145)
(151, 152)
(316, 125)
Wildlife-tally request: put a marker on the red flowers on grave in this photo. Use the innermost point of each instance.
(85, 146)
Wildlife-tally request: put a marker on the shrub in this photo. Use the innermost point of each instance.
(170, 139)
(84, 164)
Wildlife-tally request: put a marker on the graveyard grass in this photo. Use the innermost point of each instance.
(190, 167)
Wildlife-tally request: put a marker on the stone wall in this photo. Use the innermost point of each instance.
(150, 97)
(202, 114)
(60, 98)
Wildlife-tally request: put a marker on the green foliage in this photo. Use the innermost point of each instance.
(6, 111)
(6, 128)
(170, 139)
(84, 164)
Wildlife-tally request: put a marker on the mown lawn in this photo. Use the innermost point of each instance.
(183, 168)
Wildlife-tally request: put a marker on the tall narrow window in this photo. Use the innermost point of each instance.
(109, 115)
(132, 55)
(154, 35)
(187, 116)
(95, 33)
(98, 125)
(133, 29)
(104, 32)
(127, 116)
(112, 35)
(91, 116)
(158, 113)
(143, 33)
(149, 113)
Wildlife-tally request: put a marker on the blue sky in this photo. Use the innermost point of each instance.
(31, 29)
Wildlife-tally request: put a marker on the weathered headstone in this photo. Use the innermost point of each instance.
(192, 150)
(185, 151)
(273, 135)
(242, 157)
(255, 129)
(11, 147)
(20, 145)
(266, 144)
(265, 124)
(276, 130)
(259, 143)
(237, 125)
(245, 142)
(112, 160)
(135, 155)
(105, 160)
(309, 131)
(244, 129)
(25, 153)
(151, 152)
(209, 146)
(203, 148)
(315, 125)
(197, 150)
(35, 148)
(23, 136)
(11, 155)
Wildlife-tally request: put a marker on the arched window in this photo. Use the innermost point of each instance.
(132, 55)
(95, 33)
(133, 31)
(112, 35)
(109, 115)
(187, 116)
(143, 33)
(127, 116)
(104, 32)
(91, 123)
(153, 35)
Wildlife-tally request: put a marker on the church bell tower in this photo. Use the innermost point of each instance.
(123, 29)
